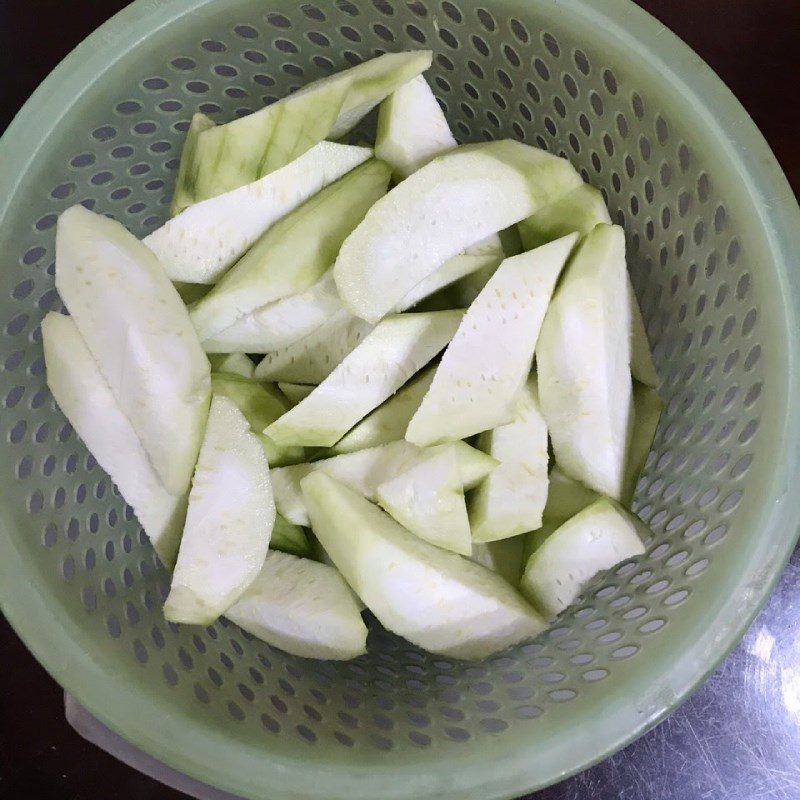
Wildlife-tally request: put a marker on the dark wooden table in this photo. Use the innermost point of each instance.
(736, 738)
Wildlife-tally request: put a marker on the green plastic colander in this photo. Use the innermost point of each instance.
(713, 235)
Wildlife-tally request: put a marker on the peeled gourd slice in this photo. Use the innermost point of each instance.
(505, 557)
(563, 562)
(647, 408)
(512, 498)
(456, 608)
(489, 359)
(289, 538)
(137, 329)
(485, 256)
(312, 358)
(242, 151)
(428, 500)
(412, 128)
(450, 204)
(365, 470)
(228, 523)
(294, 253)
(389, 421)
(576, 211)
(398, 347)
(281, 323)
(580, 210)
(86, 400)
(203, 241)
(566, 497)
(295, 392)
(232, 363)
(582, 360)
(303, 607)
(642, 367)
(260, 407)
(183, 194)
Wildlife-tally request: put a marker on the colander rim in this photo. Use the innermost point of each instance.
(55, 640)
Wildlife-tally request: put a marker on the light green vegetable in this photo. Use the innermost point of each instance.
(312, 358)
(137, 329)
(512, 498)
(295, 392)
(433, 215)
(647, 408)
(563, 562)
(303, 607)
(642, 367)
(260, 406)
(281, 323)
(576, 211)
(428, 500)
(228, 523)
(437, 600)
(389, 421)
(232, 363)
(294, 253)
(85, 397)
(582, 363)
(182, 196)
(487, 363)
(366, 470)
(203, 241)
(289, 538)
(505, 557)
(374, 371)
(242, 151)
(412, 128)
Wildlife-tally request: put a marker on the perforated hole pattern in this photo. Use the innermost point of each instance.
(495, 77)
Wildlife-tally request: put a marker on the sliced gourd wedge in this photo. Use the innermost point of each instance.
(303, 607)
(565, 560)
(580, 210)
(566, 497)
(505, 557)
(294, 253)
(428, 500)
(642, 367)
(289, 538)
(137, 329)
(450, 204)
(183, 194)
(412, 128)
(483, 257)
(203, 241)
(228, 523)
(366, 470)
(582, 363)
(388, 422)
(647, 408)
(312, 358)
(398, 347)
(295, 392)
(576, 211)
(232, 363)
(281, 323)
(86, 400)
(487, 363)
(225, 157)
(512, 498)
(456, 607)
(260, 406)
